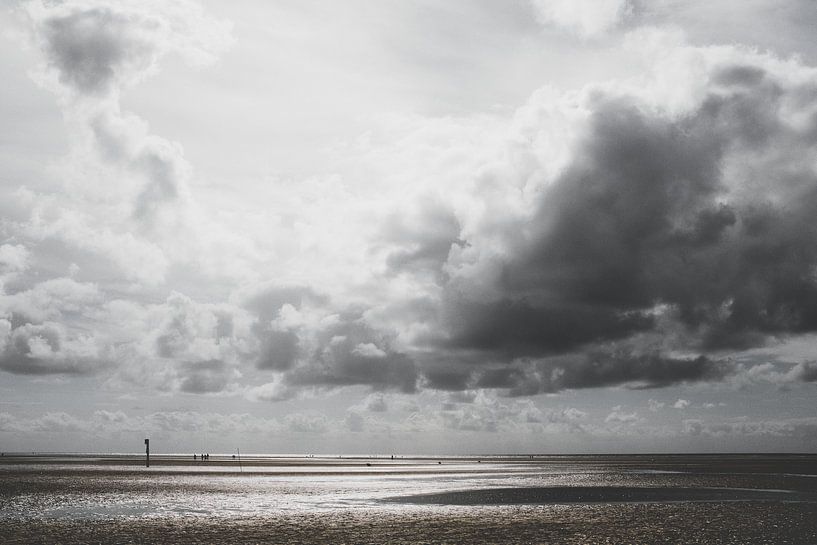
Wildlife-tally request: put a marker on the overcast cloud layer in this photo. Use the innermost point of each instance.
(648, 228)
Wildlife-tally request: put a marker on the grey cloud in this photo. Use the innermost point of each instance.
(512, 327)
(165, 172)
(650, 213)
(266, 302)
(341, 350)
(487, 413)
(92, 49)
(447, 379)
(355, 422)
(804, 429)
(225, 324)
(306, 422)
(338, 361)
(43, 349)
(279, 350)
(421, 242)
(13, 258)
(108, 422)
(618, 417)
(56, 422)
(97, 47)
(806, 372)
(601, 369)
(191, 330)
(204, 377)
(375, 403)
(464, 396)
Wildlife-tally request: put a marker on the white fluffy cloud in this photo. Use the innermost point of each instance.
(589, 18)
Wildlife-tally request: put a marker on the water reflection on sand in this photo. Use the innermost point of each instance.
(40, 495)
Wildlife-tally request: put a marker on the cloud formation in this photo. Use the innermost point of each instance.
(675, 226)
(637, 233)
(588, 18)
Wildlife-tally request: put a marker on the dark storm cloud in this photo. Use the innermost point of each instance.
(613, 369)
(452, 380)
(584, 274)
(589, 370)
(648, 215)
(520, 326)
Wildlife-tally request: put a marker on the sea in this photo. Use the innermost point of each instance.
(621, 499)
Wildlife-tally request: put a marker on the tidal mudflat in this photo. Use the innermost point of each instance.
(540, 499)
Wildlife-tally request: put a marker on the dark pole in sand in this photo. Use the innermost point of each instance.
(147, 452)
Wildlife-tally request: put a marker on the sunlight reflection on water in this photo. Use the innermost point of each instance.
(119, 491)
(124, 491)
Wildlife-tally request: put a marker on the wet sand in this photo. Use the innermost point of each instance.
(581, 524)
(606, 494)
(571, 499)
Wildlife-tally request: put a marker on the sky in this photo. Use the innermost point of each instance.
(411, 227)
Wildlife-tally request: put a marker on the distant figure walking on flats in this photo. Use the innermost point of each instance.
(194, 457)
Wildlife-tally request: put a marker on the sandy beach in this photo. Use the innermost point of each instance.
(566, 499)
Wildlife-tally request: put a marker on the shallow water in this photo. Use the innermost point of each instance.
(634, 499)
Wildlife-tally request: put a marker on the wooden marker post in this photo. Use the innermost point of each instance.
(147, 452)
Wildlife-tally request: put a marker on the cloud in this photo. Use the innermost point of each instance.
(806, 371)
(485, 412)
(33, 338)
(804, 429)
(681, 404)
(599, 369)
(92, 50)
(96, 48)
(338, 362)
(619, 417)
(270, 391)
(355, 422)
(51, 299)
(588, 18)
(306, 423)
(204, 377)
(636, 233)
(47, 349)
(420, 240)
(13, 258)
(375, 403)
(127, 194)
(655, 406)
(675, 226)
(315, 342)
